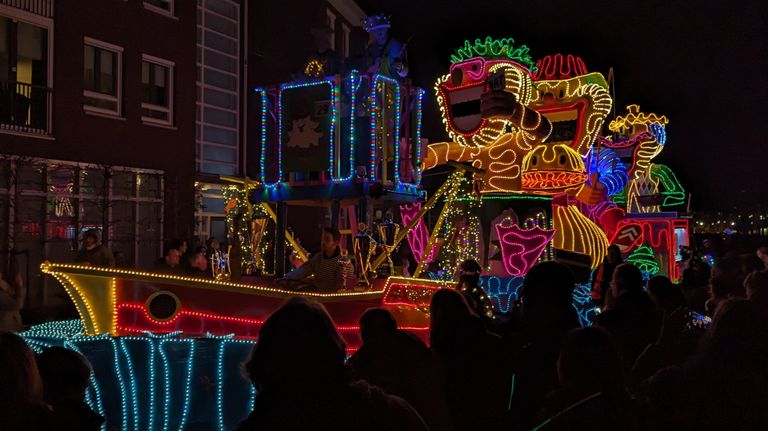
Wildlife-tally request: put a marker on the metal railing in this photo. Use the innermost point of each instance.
(37, 7)
(25, 108)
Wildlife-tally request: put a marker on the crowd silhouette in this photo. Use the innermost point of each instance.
(659, 356)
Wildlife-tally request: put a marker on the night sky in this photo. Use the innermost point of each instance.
(703, 64)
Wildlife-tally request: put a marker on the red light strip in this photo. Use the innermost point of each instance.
(210, 316)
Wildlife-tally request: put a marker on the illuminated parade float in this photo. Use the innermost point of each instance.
(553, 178)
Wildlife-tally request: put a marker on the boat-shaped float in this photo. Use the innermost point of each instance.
(128, 302)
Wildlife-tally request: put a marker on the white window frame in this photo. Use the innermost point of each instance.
(202, 124)
(169, 109)
(170, 12)
(332, 25)
(118, 112)
(46, 23)
(345, 40)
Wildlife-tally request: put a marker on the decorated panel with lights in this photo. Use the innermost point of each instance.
(652, 242)
(150, 382)
(352, 128)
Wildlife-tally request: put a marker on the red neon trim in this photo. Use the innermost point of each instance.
(558, 67)
(446, 100)
(183, 313)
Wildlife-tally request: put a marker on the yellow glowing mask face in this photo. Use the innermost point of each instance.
(576, 108)
(458, 95)
(552, 169)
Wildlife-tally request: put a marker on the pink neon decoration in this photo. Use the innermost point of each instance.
(520, 248)
(418, 237)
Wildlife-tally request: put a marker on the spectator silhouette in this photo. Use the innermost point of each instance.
(401, 364)
(547, 314)
(302, 382)
(21, 390)
(632, 317)
(756, 287)
(749, 264)
(666, 295)
(592, 394)
(694, 284)
(469, 286)
(724, 283)
(472, 363)
(12, 296)
(605, 274)
(65, 374)
(762, 254)
(725, 386)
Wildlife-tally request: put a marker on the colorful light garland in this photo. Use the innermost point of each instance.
(496, 49)
(133, 405)
(376, 82)
(262, 159)
(334, 92)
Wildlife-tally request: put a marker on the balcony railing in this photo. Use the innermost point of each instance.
(38, 7)
(25, 108)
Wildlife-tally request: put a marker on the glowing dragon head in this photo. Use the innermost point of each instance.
(458, 92)
(636, 121)
(553, 169)
(646, 137)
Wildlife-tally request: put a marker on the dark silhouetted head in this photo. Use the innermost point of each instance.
(65, 374)
(448, 313)
(298, 344)
(20, 383)
(614, 254)
(548, 285)
(590, 358)
(756, 287)
(762, 253)
(376, 324)
(739, 331)
(627, 278)
(469, 273)
(665, 294)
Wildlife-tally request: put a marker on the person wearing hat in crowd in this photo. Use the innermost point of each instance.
(324, 61)
(384, 54)
(95, 253)
(469, 286)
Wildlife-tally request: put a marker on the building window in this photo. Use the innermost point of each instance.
(55, 202)
(25, 74)
(102, 77)
(331, 21)
(165, 7)
(218, 87)
(156, 90)
(345, 41)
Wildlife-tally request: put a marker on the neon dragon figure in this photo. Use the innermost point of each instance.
(539, 147)
(651, 185)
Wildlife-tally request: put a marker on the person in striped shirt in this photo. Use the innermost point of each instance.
(326, 266)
